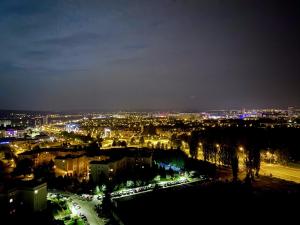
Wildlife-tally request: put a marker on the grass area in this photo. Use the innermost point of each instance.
(69, 222)
(60, 208)
(176, 178)
(62, 211)
(67, 211)
(264, 183)
(80, 222)
(74, 221)
(294, 165)
(99, 193)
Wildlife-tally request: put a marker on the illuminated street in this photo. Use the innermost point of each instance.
(86, 209)
(282, 172)
(289, 173)
(149, 112)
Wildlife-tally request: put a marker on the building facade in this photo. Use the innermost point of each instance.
(27, 197)
(109, 168)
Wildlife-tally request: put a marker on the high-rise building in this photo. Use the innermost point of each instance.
(107, 133)
(291, 111)
(45, 120)
(72, 127)
(5, 123)
(33, 197)
(29, 196)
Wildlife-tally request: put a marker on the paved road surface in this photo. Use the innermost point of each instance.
(282, 172)
(289, 173)
(87, 209)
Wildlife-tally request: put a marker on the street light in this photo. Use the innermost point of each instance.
(269, 156)
(217, 154)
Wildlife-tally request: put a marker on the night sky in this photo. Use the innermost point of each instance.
(149, 55)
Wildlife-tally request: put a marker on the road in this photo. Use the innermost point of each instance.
(289, 173)
(279, 171)
(87, 209)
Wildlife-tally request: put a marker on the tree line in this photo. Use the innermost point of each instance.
(224, 146)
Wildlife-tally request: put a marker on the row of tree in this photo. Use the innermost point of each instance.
(224, 146)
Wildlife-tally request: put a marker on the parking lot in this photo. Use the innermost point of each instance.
(81, 207)
(151, 187)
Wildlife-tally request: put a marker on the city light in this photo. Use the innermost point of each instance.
(149, 112)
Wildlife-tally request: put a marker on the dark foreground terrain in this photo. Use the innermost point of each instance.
(267, 200)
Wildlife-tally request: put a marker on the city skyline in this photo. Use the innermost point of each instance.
(147, 56)
(149, 111)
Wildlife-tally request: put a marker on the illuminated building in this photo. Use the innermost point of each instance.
(8, 200)
(33, 197)
(71, 165)
(12, 133)
(41, 156)
(30, 196)
(110, 167)
(72, 127)
(45, 120)
(107, 133)
(5, 123)
(75, 165)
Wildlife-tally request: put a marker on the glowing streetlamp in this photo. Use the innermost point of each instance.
(217, 156)
(269, 156)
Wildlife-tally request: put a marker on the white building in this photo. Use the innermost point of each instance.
(5, 123)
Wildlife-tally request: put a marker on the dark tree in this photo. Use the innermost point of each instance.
(2, 171)
(132, 141)
(235, 167)
(123, 143)
(24, 167)
(142, 140)
(193, 144)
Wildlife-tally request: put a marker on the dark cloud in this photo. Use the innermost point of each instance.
(25, 8)
(74, 40)
(160, 54)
